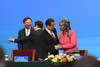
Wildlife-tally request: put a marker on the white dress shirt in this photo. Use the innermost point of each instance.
(27, 31)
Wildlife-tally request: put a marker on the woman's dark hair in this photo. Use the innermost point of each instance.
(49, 21)
(26, 18)
(39, 23)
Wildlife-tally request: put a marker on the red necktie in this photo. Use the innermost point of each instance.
(53, 35)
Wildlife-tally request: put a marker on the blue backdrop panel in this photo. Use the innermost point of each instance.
(83, 14)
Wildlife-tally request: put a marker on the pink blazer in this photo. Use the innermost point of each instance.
(69, 44)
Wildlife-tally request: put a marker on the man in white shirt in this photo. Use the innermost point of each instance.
(24, 33)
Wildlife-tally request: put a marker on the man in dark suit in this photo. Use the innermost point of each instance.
(34, 38)
(49, 39)
(23, 45)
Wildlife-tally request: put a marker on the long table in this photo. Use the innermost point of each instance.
(37, 64)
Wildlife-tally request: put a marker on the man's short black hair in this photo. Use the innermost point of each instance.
(39, 23)
(49, 21)
(26, 18)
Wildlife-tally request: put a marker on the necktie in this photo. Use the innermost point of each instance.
(53, 35)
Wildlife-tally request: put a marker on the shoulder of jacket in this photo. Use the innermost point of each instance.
(22, 30)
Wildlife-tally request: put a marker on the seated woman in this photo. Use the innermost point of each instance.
(67, 38)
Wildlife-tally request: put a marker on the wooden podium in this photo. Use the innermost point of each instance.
(29, 53)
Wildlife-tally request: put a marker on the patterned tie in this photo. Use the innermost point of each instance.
(53, 35)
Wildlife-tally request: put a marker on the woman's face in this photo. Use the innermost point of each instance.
(61, 26)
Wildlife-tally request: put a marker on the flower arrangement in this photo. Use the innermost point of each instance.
(60, 59)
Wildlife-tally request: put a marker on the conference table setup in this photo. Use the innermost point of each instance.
(26, 58)
(49, 33)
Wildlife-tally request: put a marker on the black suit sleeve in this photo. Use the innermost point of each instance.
(23, 39)
(19, 37)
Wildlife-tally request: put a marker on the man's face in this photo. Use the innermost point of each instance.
(28, 24)
(36, 27)
(52, 26)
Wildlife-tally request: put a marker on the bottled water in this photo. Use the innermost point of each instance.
(6, 57)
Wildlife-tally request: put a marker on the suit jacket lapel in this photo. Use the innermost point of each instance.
(31, 30)
(24, 32)
(49, 34)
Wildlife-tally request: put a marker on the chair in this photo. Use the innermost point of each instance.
(83, 52)
(29, 53)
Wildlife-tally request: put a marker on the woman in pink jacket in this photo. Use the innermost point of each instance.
(67, 38)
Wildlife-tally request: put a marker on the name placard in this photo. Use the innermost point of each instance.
(20, 58)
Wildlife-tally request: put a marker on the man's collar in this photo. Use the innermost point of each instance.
(39, 29)
(47, 29)
(27, 29)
